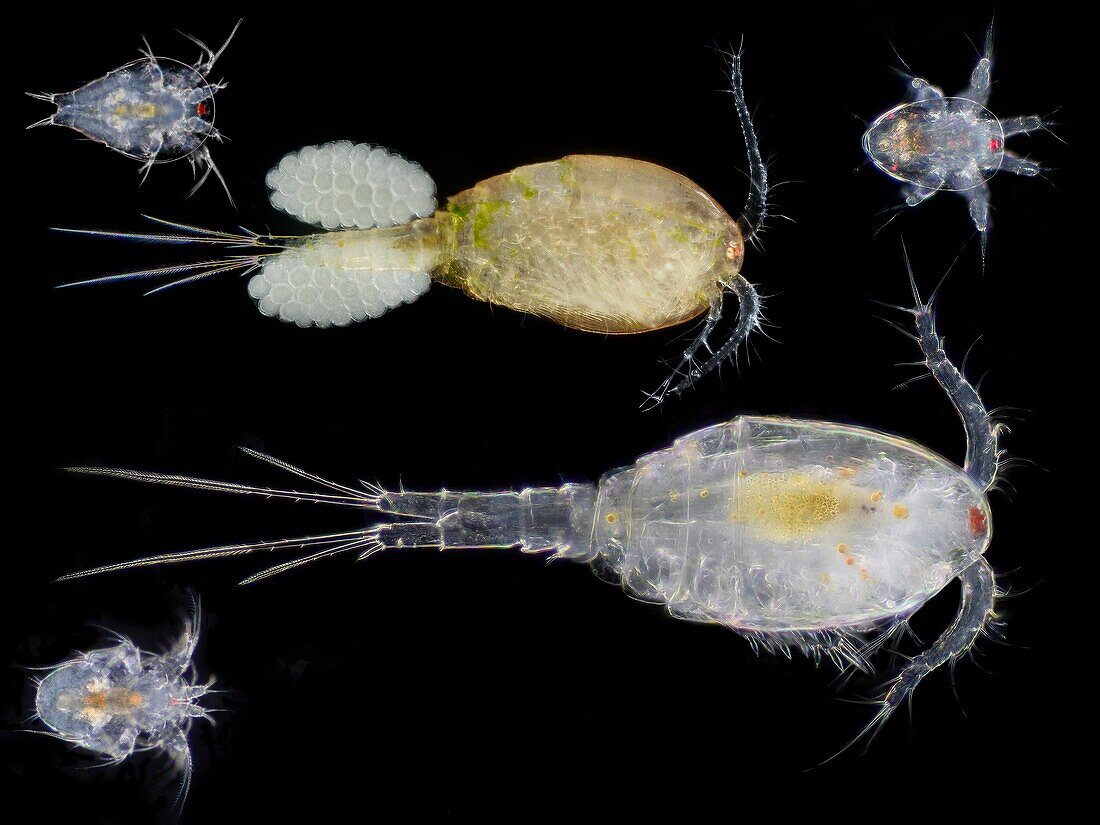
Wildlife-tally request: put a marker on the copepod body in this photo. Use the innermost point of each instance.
(601, 244)
(596, 243)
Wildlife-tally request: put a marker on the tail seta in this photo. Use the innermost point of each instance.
(535, 520)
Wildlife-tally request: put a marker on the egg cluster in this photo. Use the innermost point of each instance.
(297, 288)
(345, 184)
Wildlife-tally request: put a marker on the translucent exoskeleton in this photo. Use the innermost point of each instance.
(933, 143)
(596, 243)
(120, 700)
(154, 110)
(794, 533)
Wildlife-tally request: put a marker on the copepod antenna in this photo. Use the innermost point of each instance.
(689, 370)
(206, 63)
(756, 205)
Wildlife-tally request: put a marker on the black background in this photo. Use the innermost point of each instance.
(486, 683)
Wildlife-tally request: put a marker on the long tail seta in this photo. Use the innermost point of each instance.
(382, 258)
(186, 234)
(535, 520)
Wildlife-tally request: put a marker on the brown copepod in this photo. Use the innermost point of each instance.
(802, 534)
(596, 243)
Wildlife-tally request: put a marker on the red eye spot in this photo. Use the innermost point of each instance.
(201, 109)
(891, 116)
(893, 167)
(976, 519)
(994, 144)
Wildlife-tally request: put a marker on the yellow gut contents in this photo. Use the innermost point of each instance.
(98, 703)
(144, 110)
(793, 505)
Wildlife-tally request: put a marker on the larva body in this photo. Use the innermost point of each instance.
(120, 700)
(936, 143)
(153, 110)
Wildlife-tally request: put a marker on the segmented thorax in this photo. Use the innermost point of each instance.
(777, 524)
(597, 243)
(107, 698)
(941, 143)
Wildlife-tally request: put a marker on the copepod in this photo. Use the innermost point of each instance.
(793, 533)
(596, 243)
(120, 700)
(153, 110)
(933, 143)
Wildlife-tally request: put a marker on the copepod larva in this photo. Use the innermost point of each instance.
(933, 143)
(120, 700)
(154, 110)
(596, 243)
(794, 533)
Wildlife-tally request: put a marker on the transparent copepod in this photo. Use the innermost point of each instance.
(935, 143)
(120, 700)
(154, 110)
(797, 534)
(596, 243)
